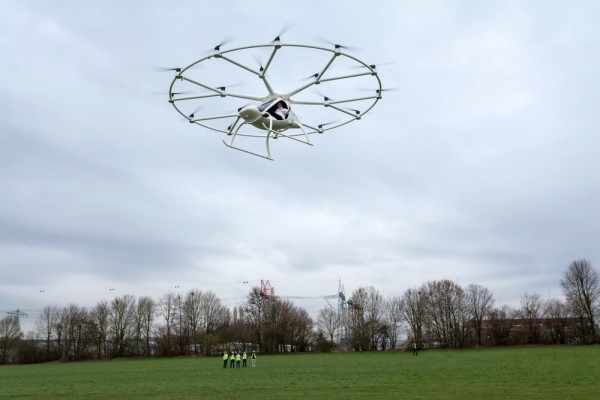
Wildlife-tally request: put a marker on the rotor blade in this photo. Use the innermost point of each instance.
(228, 86)
(259, 63)
(195, 111)
(286, 27)
(165, 69)
(374, 66)
(226, 40)
(392, 89)
(336, 45)
(320, 94)
(326, 123)
(172, 94)
(313, 76)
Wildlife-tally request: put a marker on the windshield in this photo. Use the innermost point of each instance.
(264, 106)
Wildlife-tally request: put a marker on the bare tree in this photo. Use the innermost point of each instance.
(357, 324)
(59, 331)
(480, 301)
(447, 313)
(45, 328)
(255, 311)
(77, 329)
(289, 328)
(413, 312)
(166, 308)
(530, 313)
(214, 316)
(393, 318)
(300, 332)
(122, 318)
(374, 312)
(365, 313)
(501, 324)
(144, 322)
(10, 335)
(181, 326)
(556, 321)
(99, 317)
(276, 322)
(581, 287)
(328, 322)
(192, 309)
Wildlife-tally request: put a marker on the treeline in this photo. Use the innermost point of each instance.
(195, 323)
(436, 314)
(442, 314)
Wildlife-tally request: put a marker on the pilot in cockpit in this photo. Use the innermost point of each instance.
(281, 112)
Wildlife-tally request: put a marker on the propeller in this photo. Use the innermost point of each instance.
(165, 69)
(379, 91)
(325, 98)
(194, 112)
(320, 126)
(228, 86)
(355, 111)
(313, 76)
(226, 40)
(336, 46)
(283, 30)
(259, 63)
(393, 89)
(373, 66)
(172, 93)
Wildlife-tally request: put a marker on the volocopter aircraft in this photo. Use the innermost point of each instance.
(272, 113)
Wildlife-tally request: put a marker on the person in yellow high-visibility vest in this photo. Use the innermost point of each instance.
(253, 356)
(232, 360)
(238, 358)
(225, 358)
(244, 357)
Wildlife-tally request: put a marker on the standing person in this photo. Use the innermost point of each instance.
(238, 357)
(232, 360)
(414, 349)
(253, 356)
(244, 356)
(225, 358)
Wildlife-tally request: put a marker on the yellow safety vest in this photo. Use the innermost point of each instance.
(244, 356)
(232, 356)
(225, 356)
(237, 357)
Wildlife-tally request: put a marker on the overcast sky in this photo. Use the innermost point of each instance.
(481, 167)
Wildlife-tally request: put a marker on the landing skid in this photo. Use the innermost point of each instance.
(270, 134)
(247, 151)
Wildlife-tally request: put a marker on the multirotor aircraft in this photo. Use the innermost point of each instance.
(272, 115)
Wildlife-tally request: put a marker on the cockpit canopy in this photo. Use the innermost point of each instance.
(271, 105)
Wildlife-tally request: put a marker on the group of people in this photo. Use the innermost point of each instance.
(235, 358)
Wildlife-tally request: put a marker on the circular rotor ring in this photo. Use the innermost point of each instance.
(182, 79)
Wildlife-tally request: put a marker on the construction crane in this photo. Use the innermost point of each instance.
(18, 313)
(267, 290)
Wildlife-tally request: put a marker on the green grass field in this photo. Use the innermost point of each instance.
(508, 373)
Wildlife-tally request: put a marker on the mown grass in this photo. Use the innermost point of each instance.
(509, 373)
